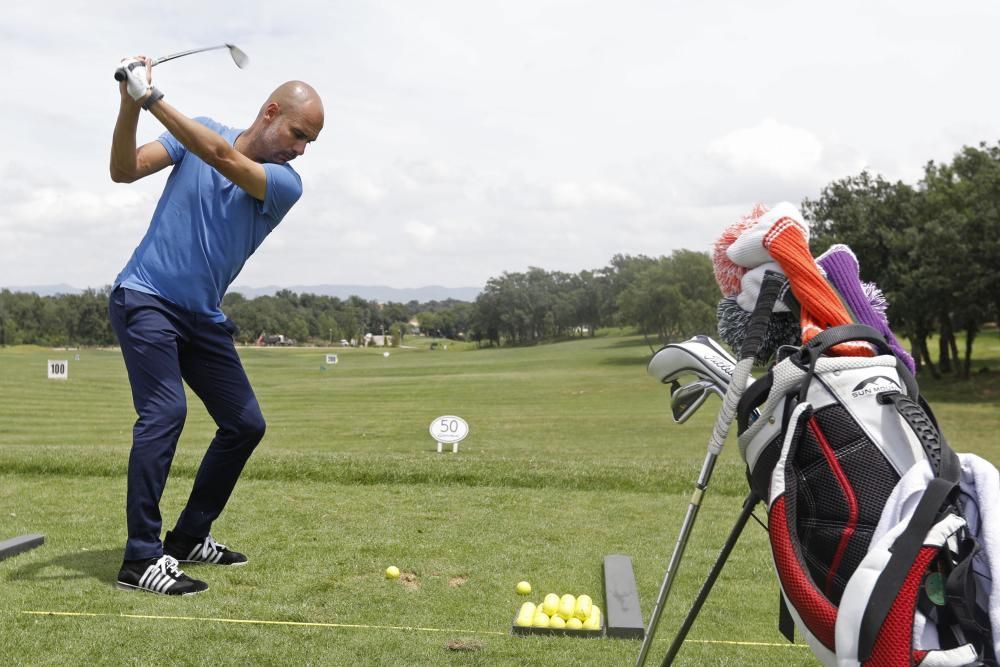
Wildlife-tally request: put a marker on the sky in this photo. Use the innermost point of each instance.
(468, 138)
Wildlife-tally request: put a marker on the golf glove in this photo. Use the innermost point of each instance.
(135, 78)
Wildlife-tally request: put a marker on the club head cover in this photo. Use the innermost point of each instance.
(844, 273)
(750, 287)
(727, 273)
(749, 249)
(733, 321)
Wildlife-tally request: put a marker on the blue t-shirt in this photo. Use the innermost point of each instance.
(205, 228)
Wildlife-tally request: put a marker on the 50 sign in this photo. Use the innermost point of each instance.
(449, 428)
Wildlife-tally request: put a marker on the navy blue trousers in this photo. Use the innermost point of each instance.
(165, 346)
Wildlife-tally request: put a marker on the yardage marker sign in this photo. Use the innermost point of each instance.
(449, 428)
(58, 369)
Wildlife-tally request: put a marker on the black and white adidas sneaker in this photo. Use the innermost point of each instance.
(158, 575)
(207, 550)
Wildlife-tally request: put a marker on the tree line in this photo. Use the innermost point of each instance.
(669, 296)
(82, 319)
(933, 248)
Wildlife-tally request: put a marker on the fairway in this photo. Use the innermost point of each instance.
(572, 455)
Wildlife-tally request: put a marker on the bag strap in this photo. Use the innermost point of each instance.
(960, 591)
(904, 552)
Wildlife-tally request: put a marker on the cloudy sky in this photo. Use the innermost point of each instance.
(465, 138)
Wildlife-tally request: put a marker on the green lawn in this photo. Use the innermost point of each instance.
(572, 455)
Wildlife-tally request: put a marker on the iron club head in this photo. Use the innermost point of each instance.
(686, 399)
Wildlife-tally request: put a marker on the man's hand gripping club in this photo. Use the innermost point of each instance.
(138, 77)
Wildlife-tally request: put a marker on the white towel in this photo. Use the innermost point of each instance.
(980, 484)
(984, 499)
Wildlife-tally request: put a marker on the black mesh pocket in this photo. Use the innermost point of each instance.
(843, 483)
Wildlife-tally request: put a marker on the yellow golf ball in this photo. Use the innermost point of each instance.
(392, 572)
(567, 603)
(523, 588)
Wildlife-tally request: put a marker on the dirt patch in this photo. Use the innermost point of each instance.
(409, 581)
(457, 581)
(465, 645)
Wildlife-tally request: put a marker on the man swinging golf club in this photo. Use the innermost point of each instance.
(227, 191)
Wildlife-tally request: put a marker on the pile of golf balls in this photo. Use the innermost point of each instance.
(567, 612)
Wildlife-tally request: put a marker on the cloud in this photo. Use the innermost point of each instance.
(769, 148)
(422, 235)
(592, 195)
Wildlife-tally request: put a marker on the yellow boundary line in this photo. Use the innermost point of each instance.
(252, 621)
(351, 626)
(736, 643)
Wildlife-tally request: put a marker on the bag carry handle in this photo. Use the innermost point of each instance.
(943, 460)
(810, 353)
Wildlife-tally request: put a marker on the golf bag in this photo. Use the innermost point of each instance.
(874, 529)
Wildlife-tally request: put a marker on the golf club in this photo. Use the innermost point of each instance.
(237, 54)
(685, 400)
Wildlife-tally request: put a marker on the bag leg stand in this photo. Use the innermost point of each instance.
(748, 507)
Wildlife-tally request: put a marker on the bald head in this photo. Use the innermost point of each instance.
(291, 118)
(295, 95)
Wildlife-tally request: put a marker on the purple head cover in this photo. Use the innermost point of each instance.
(843, 272)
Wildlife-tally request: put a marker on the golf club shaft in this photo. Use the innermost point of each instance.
(189, 52)
(120, 72)
(675, 558)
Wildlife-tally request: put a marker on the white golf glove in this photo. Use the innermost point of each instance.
(135, 77)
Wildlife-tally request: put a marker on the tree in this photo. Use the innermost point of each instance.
(674, 297)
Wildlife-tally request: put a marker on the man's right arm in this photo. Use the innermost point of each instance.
(127, 163)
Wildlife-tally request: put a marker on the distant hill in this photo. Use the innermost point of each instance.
(368, 292)
(380, 293)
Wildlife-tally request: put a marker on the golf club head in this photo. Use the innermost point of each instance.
(700, 356)
(685, 400)
(239, 57)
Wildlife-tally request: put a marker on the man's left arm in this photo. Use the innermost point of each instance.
(213, 149)
(210, 146)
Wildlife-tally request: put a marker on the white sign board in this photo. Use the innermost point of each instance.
(331, 359)
(449, 428)
(58, 369)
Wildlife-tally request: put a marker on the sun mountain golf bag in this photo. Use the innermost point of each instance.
(868, 574)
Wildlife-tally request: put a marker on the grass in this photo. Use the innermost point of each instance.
(572, 455)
